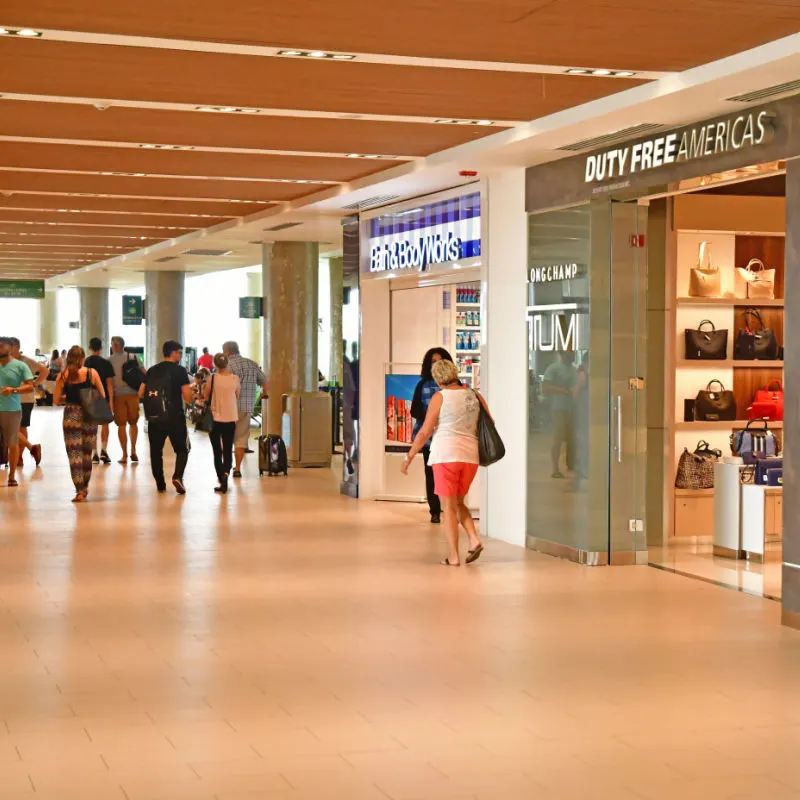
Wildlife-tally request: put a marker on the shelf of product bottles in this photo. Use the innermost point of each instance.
(462, 352)
(468, 305)
(468, 327)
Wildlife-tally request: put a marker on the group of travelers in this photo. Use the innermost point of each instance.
(164, 391)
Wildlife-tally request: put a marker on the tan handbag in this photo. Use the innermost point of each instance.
(760, 281)
(705, 279)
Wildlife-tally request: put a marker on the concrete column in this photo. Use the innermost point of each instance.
(254, 326)
(791, 409)
(163, 312)
(337, 298)
(94, 315)
(48, 323)
(291, 287)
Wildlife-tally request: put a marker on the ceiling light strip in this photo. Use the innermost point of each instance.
(266, 51)
(72, 224)
(200, 148)
(182, 199)
(153, 213)
(294, 113)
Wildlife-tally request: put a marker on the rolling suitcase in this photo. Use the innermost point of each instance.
(272, 457)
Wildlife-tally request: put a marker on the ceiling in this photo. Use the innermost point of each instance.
(128, 139)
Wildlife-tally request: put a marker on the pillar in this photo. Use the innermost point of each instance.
(254, 327)
(163, 312)
(94, 315)
(791, 410)
(337, 300)
(48, 323)
(290, 273)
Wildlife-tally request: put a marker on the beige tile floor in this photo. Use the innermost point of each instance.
(285, 643)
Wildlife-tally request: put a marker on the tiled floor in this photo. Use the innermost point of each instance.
(285, 643)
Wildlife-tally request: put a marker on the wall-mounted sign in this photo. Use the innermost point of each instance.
(251, 307)
(557, 327)
(687, 144)
(22, 289)
(547, 273)
(132, 309)
(418, 238)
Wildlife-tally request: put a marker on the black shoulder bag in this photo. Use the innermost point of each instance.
(205, 422)
(490, 445)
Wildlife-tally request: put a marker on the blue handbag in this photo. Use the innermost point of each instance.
(754, 439)
(763, 467)
(775, 476)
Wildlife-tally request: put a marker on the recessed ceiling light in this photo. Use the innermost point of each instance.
(290, 52)
(150, 146)
(343, 57)
(354, 155)
(317, 54)
(4, 31)
(577, 71)
(29, 32)
(374, 156)
(484, 122)
(625, 74)
(602, 72)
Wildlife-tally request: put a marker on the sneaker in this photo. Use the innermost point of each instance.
(179, 487)
(105, 457)
(222, 488)
(36, 452)
(96, 458)
(436, 519)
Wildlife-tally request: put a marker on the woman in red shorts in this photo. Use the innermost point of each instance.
(452, 419)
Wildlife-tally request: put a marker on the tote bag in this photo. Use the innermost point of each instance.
(706, 344)
(94, 403)
(759, 280)
(712, 406)
(205, 422)
(705, 279)
(490, 446)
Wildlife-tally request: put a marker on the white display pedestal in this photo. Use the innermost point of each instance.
(762, 508)
(727, 510)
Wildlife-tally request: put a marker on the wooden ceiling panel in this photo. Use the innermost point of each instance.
(118, 124)
(34, 155)
(153, 186)
(91, 231)
(69, 69)
(633, 34)
(129, 204)
(94, 219)
(72, 241)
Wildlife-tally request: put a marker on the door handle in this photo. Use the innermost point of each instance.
(619, 429)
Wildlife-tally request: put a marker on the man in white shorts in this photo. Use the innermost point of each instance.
(251, 377)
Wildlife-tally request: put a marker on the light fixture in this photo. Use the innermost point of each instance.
(29, 33)
(354, 155)
(316, 54)
(601, 72)
(228, 109)
(166, 147)
(343, 56)
(482, 122)
(290, 52)
(625, 74)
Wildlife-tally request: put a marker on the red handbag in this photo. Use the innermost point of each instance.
(768, 402)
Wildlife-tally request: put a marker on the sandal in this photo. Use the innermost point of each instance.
(474, 555)
(448, 563)
(12, 483)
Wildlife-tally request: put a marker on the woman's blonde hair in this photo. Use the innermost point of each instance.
(75, 359)
(444, 372)
(221, 361)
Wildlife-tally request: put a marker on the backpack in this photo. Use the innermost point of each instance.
(132, 373)
(156, 401)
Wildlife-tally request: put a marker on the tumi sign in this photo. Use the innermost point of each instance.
(688, 144)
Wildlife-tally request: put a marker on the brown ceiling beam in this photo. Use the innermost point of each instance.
(90, 231)
(46, 241)
(130, 220)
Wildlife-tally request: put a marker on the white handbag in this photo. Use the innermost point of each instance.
(759, 280)
(705, 279)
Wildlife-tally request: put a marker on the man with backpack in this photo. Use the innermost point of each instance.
(128, 377)
(165, 389)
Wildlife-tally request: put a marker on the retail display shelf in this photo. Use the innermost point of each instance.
(717, 364)
(468, 327)
(468, 305)
(730, 301)
(731, 425)
(467, 352)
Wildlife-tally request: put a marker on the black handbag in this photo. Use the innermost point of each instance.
(94, 403)
(205, 422)
(490, 445)
(706, 344)
(712, 406)
(755, 343)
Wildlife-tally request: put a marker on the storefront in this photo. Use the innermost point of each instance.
(421, 286)
(658, 269)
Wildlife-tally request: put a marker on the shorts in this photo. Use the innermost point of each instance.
(27, 408)
(9, 425)
(453, 479)
(242, 435)
(126, 409)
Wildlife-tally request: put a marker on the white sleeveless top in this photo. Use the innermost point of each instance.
(456, 435)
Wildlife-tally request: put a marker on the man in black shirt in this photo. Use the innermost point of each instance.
(105, 370)
(166, 386)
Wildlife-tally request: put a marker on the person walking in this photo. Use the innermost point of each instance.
(425, 390)
(221, 393)
(80, 432)
(206, 361)
(452, 420)
(56, 365)
(16, 379)
(126, 398)
(102, 366)
(251, 377)
(165, 389)
(28, 400)
(559, 382)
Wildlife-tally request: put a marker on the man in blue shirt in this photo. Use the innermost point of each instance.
(15, 379)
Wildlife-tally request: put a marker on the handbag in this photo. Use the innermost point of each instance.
(705, 281)
(94, 403)
(696, 470)
(755, 343)
(754, 440)
(768, 402)
(711, 406)
(205, 421)
(490, 446)
(706, 344)
(763, 465)
(760, 282)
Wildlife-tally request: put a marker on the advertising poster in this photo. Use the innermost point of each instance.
(399, 424)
